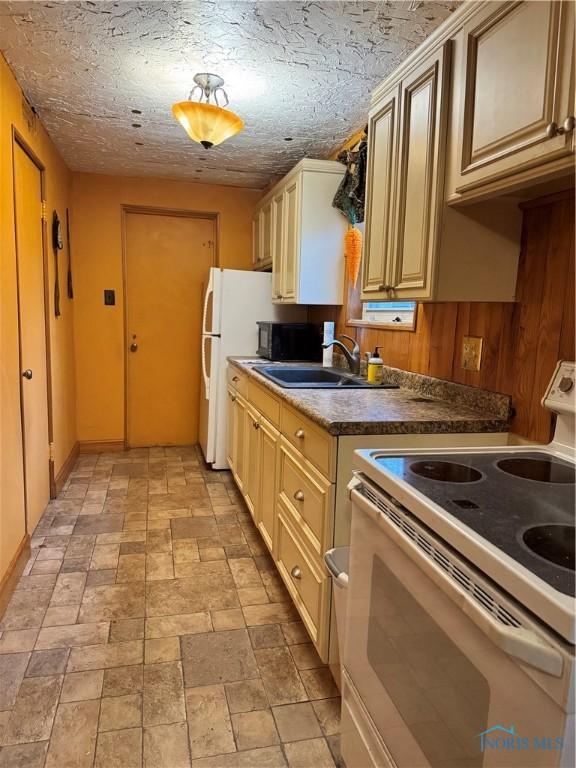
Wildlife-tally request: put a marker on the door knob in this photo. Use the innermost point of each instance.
(133, 347)
(27, 374)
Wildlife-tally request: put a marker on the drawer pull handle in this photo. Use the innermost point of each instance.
(235, 378)
(296, 573)
(299, 434)
(299, 496)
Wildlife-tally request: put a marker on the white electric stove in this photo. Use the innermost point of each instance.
(459, 649)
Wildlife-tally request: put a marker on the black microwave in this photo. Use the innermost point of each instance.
(290, 341)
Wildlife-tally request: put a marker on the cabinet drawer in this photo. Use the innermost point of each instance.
(264, 402)
(311, 441)
(307, 493)
(237, 379)
(305, 579)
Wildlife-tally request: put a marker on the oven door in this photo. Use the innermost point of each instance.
(451, 673)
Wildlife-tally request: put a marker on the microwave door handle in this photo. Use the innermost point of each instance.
(518, 642)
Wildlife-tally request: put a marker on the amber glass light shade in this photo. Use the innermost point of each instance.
(206, 123)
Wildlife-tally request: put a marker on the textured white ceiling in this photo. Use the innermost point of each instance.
(302, 70)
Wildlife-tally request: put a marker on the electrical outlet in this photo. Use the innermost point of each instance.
(471, 353)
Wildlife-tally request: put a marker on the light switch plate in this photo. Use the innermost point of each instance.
(471, 353)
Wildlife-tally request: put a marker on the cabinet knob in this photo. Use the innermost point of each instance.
(235, 378)
(255, 425)
(27, 374)
(233, 398)
(299, 496)
(296, 573)
(299, 434)
(553, 129)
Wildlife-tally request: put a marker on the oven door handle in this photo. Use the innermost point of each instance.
(519, 642)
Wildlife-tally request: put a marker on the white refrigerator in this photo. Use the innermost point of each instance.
(234, 301)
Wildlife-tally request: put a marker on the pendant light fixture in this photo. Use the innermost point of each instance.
(205, 122)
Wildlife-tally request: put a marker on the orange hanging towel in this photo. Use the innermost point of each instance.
(353, 253)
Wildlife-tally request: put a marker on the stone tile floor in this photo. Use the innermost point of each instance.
(150, 628)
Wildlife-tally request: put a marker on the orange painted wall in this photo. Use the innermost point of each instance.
(58, 188)
(97, 257)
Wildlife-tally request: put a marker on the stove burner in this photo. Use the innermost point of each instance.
(541, 470)
(554, 543)
(445, 472)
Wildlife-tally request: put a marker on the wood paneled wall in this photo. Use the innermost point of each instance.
(522, 341)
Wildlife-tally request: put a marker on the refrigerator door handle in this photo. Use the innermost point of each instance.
(204, 371)
(209, 292)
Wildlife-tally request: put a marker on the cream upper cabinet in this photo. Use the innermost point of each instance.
(407, 129)
(262, 237)
(277, 242)
(516, 97)
(382, 153)
(479, 116)
(256, 241)
(289, 261)
(420, 180)
(307, 235)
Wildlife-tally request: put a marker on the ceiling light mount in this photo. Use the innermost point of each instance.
(203, 117)
(209, 86)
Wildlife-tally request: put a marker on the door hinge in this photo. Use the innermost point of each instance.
(44, 209)
(51, 450)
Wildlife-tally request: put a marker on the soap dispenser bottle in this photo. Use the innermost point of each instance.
(375, 368)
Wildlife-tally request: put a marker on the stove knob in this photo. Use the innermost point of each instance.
(566, 384)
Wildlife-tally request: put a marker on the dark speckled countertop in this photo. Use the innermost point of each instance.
(422, 405)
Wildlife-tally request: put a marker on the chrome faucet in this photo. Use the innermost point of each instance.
(352, 358)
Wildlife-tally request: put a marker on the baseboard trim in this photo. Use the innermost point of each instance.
(101, 446)
(13, 572)
(66, 468)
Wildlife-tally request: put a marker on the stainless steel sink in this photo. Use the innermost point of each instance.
(308, 377)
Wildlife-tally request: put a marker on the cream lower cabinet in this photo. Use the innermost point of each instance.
(235, 438)
(283, 465)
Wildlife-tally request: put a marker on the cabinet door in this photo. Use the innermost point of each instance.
(277, 244)
(238, 452)
(266, 235)
(230, 433)
(382, 156)
(268, 456)
(291, 240)
(251, 448)
(519, 84)
(256, 254)
(420, 182)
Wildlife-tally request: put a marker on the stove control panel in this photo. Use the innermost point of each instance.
(560, 396)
